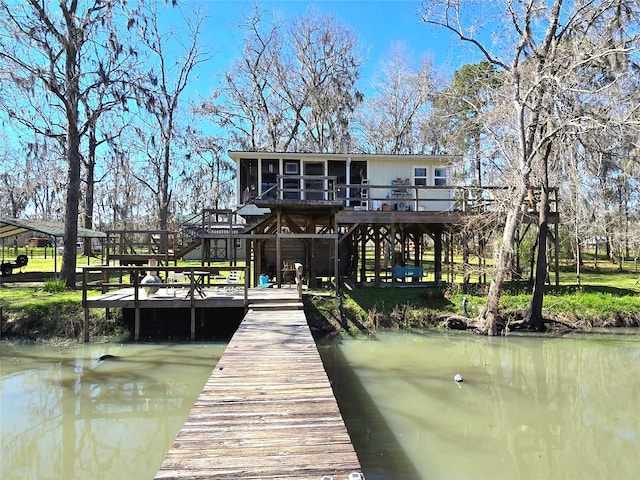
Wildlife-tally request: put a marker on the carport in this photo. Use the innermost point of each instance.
(10, 227)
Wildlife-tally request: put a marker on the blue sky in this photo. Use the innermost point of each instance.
(377, 23)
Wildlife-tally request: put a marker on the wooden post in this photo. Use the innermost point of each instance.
(437, 255)
(299, 280)
(377, 254)
(193, 320)
(246, 288)
(279, 264)
(466, 271)
(392, 241)
(557, 252)
(192, 303)
(364, 232)
(336, 252)
(136, 304)
(84, 304)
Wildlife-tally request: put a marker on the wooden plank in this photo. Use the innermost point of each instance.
(266, 411)
(215, 297)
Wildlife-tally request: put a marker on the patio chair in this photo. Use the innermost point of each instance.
(264, 282)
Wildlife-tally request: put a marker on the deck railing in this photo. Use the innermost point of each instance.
(140, 242)
(108, 278)
(200, 278)
(396, 196)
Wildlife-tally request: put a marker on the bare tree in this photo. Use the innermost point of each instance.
(245, 105)
(290, 88)
(15, 180)
(170, 65)
(325, 70)
(105, 106)
(391, 120)
(537, 69)
(44, 50)
(211, 182)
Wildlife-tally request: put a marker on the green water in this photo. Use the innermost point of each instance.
(529, 407)
(67, 415)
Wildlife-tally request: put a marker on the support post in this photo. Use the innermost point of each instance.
(557, 245)
(193, 320)
(278, 249)
(136, 303)
(377, 254)
(364, 232)
(437, 255)
(85, 278)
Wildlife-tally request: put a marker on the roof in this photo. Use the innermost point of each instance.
(14, 226)
(236, 155)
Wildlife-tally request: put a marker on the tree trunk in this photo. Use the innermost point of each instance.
(490, 317)
(164, 190)
(533, 315)
(89, 191)
(68, 269)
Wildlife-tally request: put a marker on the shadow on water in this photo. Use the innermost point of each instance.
(158, 324)
(380, 455)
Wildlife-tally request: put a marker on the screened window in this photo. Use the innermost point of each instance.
(440, 177)
(420, 176)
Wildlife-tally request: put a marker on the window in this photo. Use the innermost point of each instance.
(420, 176)
(440, 177)
(291, 168)
(269, 177)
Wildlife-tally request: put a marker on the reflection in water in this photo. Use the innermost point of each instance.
(529, 407)
(67, 415)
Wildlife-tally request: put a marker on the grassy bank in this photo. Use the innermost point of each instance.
(38, 314)
(35, 307)
(379, 308)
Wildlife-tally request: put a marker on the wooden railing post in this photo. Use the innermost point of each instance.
(85, 276)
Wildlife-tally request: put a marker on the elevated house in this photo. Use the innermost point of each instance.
(361, 218)
(364, 219)
(325, 218)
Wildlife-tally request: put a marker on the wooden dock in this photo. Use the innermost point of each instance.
(267, 410)
(205, 290)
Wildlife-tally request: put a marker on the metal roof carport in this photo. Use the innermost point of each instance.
(10, 227)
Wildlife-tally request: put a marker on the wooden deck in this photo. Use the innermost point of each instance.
(267, 410)
(213, 298)
(206, 289)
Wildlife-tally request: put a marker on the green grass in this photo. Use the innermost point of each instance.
(605, 296)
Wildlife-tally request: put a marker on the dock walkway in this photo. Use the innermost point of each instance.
(267, 411)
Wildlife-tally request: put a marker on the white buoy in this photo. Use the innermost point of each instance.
(458, 378)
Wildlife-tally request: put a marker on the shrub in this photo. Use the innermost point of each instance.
(54, 285)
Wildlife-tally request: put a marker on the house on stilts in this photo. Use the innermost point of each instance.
(365, 219)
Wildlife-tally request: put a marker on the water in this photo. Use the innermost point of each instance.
(67, 415)
(529, 407)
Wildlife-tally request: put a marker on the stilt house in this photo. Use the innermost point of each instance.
(359, 218)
